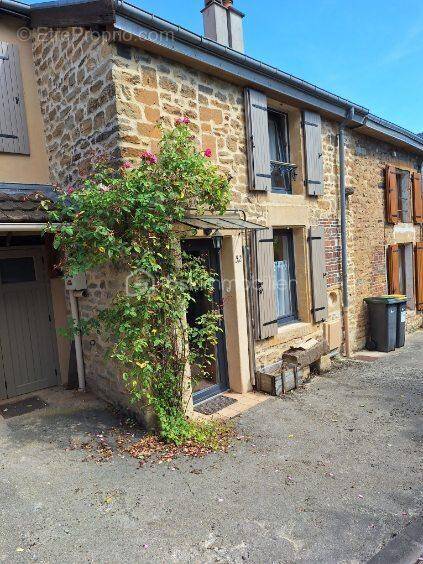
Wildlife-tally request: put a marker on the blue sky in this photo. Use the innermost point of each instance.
(369, 51)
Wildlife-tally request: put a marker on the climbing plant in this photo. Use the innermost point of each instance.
(126, 216)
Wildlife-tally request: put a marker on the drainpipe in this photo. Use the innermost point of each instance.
(343, 202)
(78, 341)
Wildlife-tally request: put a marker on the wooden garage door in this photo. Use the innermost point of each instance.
(28, 359)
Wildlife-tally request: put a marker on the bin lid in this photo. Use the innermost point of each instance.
(386, 299)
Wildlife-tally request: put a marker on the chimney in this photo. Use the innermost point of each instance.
(223, 24)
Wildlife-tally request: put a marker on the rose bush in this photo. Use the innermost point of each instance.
(126, 216)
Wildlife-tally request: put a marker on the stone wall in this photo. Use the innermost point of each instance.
(76, 89)
(97, 96)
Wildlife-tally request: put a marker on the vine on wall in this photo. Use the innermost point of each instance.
(126, 216)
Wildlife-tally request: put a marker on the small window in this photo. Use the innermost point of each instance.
(404, 196)
(285, 281)
(14, 270)
(281, 169)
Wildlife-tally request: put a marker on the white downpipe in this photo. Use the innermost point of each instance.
(78, 342)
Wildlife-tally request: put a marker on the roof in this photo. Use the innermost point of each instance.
(181, 44)
(21, 203)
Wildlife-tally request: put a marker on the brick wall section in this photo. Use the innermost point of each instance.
(333, 251)
(77, 95)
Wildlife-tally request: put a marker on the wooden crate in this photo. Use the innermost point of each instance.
(277, 379)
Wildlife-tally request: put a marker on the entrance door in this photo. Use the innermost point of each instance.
(216, 379)
(28, 358)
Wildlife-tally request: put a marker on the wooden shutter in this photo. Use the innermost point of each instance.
(417, 197)
(13, 127)
(312, 128)
(258, 148)
(318, 273)
(391, 187)
(393, 269)
(409, 275)
(419, 276)
(265, 293)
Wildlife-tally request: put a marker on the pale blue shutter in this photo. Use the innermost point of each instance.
(312, 129)
(265, 292)
(13, 127)
(318, 273)
(257, 140)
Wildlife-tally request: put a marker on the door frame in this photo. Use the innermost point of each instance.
(41, 271)
(222, 384)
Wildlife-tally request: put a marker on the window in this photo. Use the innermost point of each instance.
(13, 270)
(401, 272)
(285, 282)
(404, 196)
(281, 170)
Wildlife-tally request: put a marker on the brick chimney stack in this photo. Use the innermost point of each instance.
(223, 23)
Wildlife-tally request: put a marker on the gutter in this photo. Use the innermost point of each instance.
(15, 8)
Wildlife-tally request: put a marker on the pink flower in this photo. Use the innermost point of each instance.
(181, 121)
(208, 153)
(104, 188)
(149, 156)
(70, 190)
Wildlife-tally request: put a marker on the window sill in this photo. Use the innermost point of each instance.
(293, 330)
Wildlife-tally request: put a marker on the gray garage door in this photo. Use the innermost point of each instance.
(28, 356)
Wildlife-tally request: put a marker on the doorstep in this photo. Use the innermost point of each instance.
(243, 402)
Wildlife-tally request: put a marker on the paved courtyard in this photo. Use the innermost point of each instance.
(328, 474)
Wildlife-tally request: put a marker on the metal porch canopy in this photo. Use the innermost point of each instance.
(212, 222)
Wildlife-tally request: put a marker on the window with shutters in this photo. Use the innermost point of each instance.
(285, 280)
(13, 127)
(398, 195)
(404, 196)
(401, 272)
(280, 166)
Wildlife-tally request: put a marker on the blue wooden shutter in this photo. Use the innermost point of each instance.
(318, 273)
(13, 127)
(258, 148)
(265, 303)
(312, 128)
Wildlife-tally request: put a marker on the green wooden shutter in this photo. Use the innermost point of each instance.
(13, 127)
(312, 129)
(264, 285)
(318, 273)
(258, 147)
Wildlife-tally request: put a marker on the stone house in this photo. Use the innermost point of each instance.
(336, 190)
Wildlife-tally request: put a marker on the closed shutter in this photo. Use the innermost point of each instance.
(391, 187)
(258, 148)
(265, 294)
(318, 273)
(312, 127)
(409, 275)
(419, 276)
(417, 197)
(393, 269)
(13, 128)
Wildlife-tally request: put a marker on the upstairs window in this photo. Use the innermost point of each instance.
(404, 196)
(399, 207)
(280, 167)
(13, 128)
